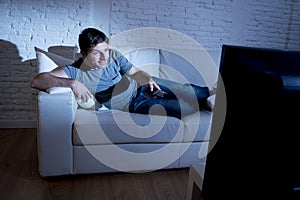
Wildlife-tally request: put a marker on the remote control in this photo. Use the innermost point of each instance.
(159, 93)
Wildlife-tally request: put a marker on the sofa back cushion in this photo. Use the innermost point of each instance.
(157, 62)
(145, 59)
(165, 64)
(176, 68)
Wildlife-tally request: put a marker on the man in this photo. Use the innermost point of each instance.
(117, 84)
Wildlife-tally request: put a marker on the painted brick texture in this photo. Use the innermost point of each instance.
(24, 25)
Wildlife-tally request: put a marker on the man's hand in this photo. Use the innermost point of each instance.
(143, 78)
(81, 91)
(152, 85)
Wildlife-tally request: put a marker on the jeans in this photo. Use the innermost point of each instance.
(180, 100)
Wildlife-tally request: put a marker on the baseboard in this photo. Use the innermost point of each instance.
(18, 123)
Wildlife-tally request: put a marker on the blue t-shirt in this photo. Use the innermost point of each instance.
(109, 76)
(106, 80)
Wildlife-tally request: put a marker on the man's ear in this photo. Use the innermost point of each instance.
(83, 54)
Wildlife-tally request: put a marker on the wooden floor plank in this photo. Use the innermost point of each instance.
(19, 177)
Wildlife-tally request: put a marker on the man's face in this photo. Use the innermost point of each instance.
(97, 56)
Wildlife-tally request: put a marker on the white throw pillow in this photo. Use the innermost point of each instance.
(48, 61)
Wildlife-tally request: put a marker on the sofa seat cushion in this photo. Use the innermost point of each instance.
(197, 126)
(112, 126)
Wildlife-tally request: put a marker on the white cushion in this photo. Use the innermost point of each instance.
(197, 126)
(44, 63)
(47, 61)
(114, 126)
(145, 59)
(176, 68)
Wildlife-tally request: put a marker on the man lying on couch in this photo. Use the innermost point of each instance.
(108, 76)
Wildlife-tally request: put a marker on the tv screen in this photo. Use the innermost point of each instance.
(258, 151)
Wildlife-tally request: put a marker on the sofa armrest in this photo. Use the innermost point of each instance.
(56, 114)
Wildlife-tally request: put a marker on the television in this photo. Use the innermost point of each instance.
(257, 153)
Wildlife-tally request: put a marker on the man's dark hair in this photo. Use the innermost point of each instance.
(89, 38)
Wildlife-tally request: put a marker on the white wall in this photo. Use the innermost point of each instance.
(261, 23)
(25, 24)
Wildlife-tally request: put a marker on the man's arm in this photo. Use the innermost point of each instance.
(46, 80)
(57, 78)
(143, 78)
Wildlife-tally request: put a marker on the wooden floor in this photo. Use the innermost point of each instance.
(19, 177)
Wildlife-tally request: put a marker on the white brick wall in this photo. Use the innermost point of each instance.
(25, 24)
(266, 23)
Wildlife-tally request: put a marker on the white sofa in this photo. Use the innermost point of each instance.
(73, 140)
